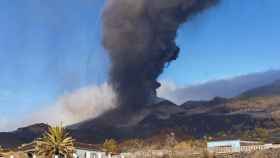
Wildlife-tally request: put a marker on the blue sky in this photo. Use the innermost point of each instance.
(237, 37)
(49, 48)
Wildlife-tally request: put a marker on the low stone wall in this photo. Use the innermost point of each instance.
(268, 153)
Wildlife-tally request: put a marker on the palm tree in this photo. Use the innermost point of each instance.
(55, 142)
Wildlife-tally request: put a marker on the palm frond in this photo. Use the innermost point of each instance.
(55, 141)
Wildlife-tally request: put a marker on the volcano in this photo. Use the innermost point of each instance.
(250, 110)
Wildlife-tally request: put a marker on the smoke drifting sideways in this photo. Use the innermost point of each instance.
(139, 36)
(91, 102)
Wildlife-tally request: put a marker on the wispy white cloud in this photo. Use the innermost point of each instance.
(82, 104)
(228, 87)
(3, 124)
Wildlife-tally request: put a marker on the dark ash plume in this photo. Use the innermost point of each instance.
(139, 36)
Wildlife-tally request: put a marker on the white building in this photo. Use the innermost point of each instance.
(235, 146)
(89, 153)
(225, 146)
(82, 151)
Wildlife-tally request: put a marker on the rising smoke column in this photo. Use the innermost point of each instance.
(139, 36)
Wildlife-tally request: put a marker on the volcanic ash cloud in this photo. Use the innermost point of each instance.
(139, 36)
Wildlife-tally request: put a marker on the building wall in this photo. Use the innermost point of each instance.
(227, 146)
(89, 154)
(235, 146)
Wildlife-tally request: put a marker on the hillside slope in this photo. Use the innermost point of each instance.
(263, 91)
(260, 108)
(22, 135)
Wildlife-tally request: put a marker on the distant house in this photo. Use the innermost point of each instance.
(225, 146)
(88, 151)
(28, 150)
(236, 146)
